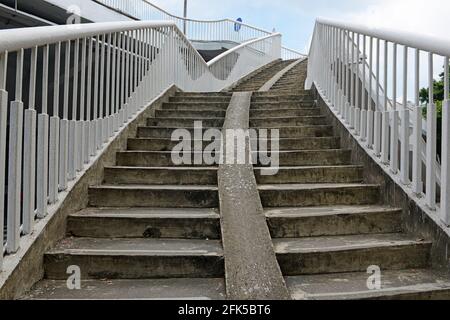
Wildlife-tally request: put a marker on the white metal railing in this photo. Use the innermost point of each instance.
(85, 82)
(359, 72)
(289, 54)
(196, 30)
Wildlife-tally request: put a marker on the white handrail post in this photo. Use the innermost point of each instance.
(385, 115)
(431, 141)
(404, 164)
(15, 161)
(29, 155)
(417, 143)
(394, 125)
(3, 124)
(445, 179)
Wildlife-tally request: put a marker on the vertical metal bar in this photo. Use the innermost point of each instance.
(3, 124)
(394, 127)
(404, 167)
(417, 143)
(431, 140)
(54, 131)
(377, 114)
(385, 116)
(42, 147)
(29, 167)
(370, 111)
(15, 161)
(445, 179)
(64, 129)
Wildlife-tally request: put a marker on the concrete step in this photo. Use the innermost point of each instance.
(286, 158)
(159, 144)
(189, 114)
(278, 98)
(185, 122)
(302, 131)
(288, 121)
(280, 105)
(333, 221)
(135, 258)
(355, 253)
(204, 94)
(195, 105)
(326, 157)
(306, 143)
(157, 159)
(200, 99)
(300, 93)
(145, 223)
(160, 176)
(316, 195)
(164, 132)
(146, 289)
(319, 174)
(411, 284)
(294, 112)
(156, 196)
(202, 107)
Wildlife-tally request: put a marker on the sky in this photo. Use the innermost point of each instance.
(295, 18)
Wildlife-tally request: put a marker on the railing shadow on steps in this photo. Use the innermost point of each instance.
(85, 83)
(356, 69)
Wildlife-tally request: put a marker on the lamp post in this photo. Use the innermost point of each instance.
(185, 16)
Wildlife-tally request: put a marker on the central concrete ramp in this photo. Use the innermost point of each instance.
(251, 268)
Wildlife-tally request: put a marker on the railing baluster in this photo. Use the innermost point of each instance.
(404, 167)
(377, 114)
(370, 111)
(357, 89)
(43, 142)
(29, 155)
(431, 140)
(363, 93)
(3, 124)
(64, 124)
(417, 142)
(395, 119)
(15, 161)
(385, 116)
(445, 179)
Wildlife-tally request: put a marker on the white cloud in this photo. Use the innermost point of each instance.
(421, 16)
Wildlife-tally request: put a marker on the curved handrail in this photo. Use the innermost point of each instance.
(103, 74)
(429, 43)
(287, 53)
(246, 44)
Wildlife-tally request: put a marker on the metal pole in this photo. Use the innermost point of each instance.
(184, 16)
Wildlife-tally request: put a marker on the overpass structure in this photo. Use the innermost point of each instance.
(91, 116)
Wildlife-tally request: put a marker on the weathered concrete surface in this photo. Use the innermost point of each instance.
(354, 253)
(145, 223)
(25, 268)
(250, 76)
(413, 284)
(149, 289)
(251, 268)
(269, 84)
(138, 258)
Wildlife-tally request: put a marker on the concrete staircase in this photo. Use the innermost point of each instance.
(328, 227)
(258, 79)
(152, 230)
